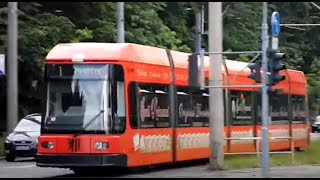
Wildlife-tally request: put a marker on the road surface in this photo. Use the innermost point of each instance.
(27, 169)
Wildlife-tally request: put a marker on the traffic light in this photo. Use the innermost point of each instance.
(275, 65)
(255, 70)
(193, 70)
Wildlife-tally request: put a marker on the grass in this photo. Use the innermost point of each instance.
(309, 156)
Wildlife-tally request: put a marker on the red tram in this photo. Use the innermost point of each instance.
(129, 105)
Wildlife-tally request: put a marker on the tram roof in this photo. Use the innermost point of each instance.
(136, 53)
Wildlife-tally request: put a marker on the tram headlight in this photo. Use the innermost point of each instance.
(102, 145)
(48, 145)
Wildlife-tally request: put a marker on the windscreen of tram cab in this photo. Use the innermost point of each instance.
(85, 98)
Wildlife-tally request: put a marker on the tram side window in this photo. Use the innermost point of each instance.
(161, 107)
(299, 109)
(284, 107)
(278, 108)
(149, 106)
(185, 112)
(241, 107)
(193, 108)
(202, 108)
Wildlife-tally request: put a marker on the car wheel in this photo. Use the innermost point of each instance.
(10, 157)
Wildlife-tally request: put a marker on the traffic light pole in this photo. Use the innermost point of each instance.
(198, 30)
(265, 98)
(120, 23)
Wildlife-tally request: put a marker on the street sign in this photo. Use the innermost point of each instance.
(275, 24)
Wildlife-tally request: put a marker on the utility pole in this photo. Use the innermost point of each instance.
(216, 94)
(198, 29)
(265, 98)
(12, 74)
(120, 22)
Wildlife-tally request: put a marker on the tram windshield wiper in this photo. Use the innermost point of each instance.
(88, 124)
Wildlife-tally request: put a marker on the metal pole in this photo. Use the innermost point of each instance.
(120, 22)
(314, 4)
(216, 94)
(299, 24)
(235, 52)
(198, 31)
(202, 70)
(236, 86)
(12, 78)
(265, 98)
(198, 16)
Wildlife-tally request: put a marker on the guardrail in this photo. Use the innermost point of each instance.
(258, 144)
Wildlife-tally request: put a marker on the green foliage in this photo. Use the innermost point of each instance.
(83, 35)
(146, 27)
(242, 22)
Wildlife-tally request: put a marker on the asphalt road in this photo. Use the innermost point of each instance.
(26, 168)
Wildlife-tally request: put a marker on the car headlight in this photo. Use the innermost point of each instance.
(7, 141)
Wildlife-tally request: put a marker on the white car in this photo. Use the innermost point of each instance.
(23, 140)
(316, 125)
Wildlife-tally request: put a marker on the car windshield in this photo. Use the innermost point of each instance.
(28, 124)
